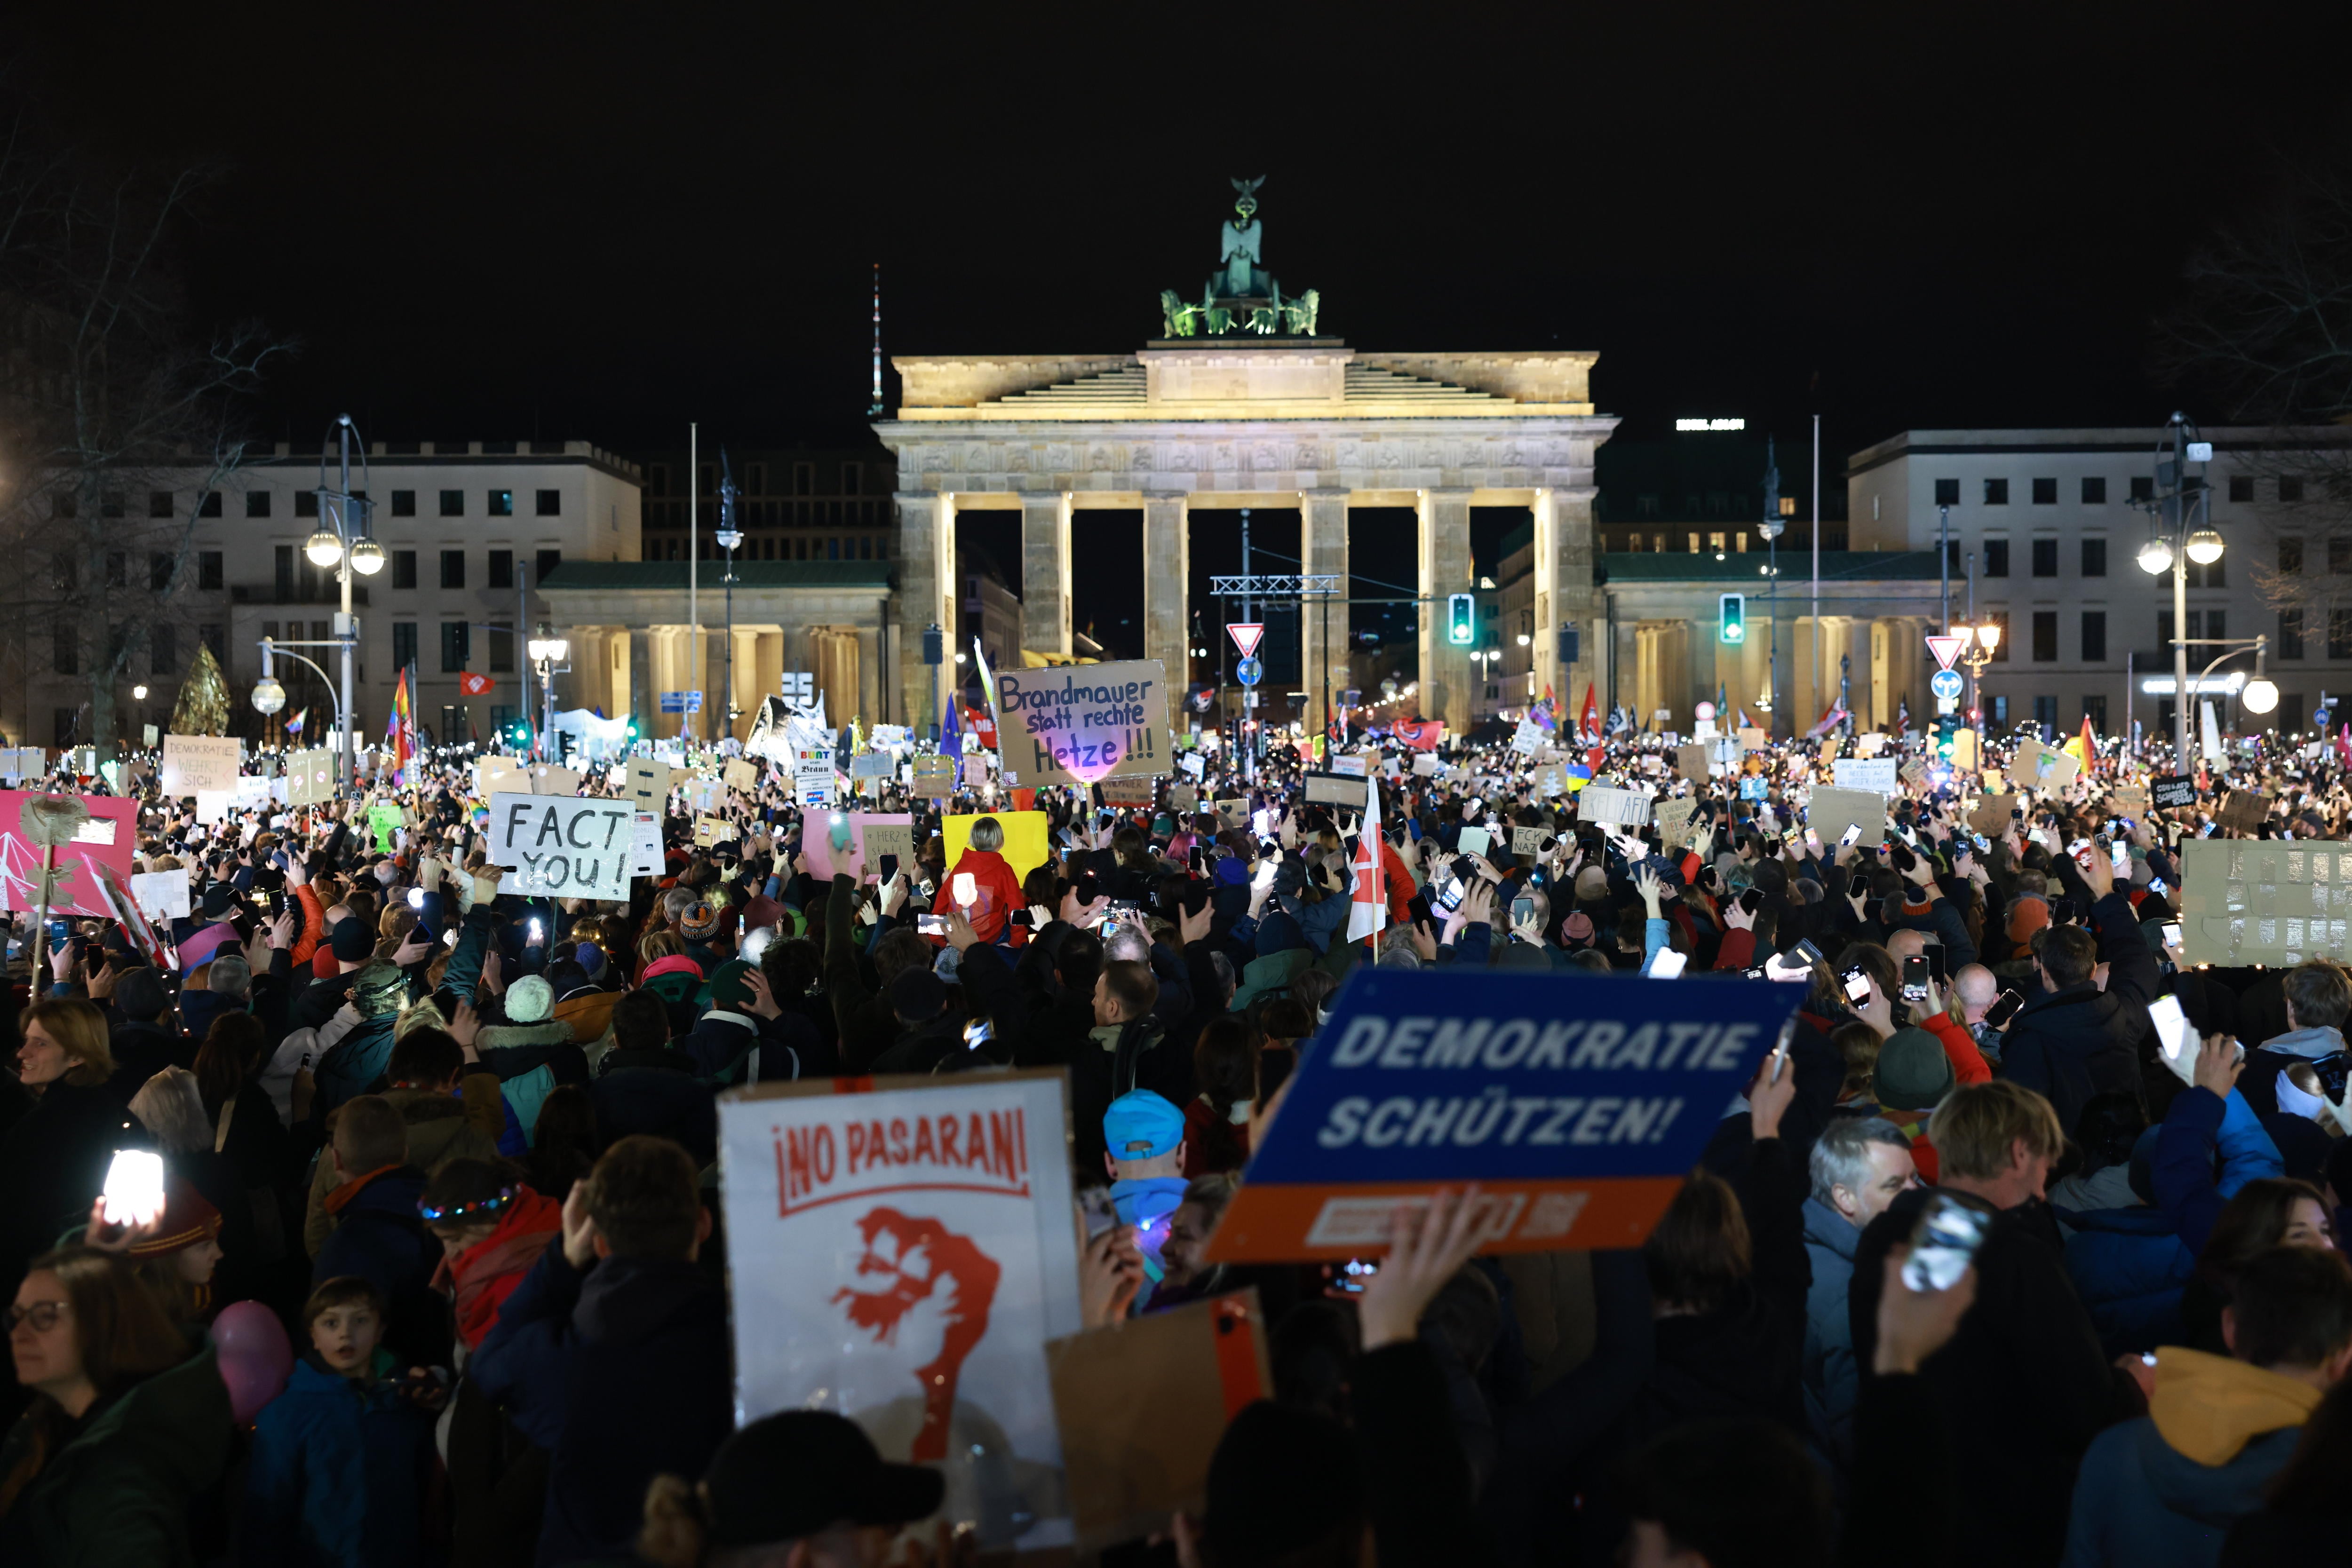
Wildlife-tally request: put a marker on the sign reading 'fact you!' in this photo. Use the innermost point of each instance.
(563, 846)
(1575, 1103)
(1082, 724)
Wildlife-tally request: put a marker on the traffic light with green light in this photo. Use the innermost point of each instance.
(1461, 620)
(1732, 626)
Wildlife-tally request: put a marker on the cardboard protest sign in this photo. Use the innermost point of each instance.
(1141, 1404)
(1876, 773)
(1577, 1103)
(1082, 724)
(163, 894)
(1233, 813)
(2038, 767)
(1913, 771)
(1753, 738)
(647, 780)
(902, 1255)
(709, 830)
(1833, 810)
(1628, 806)
(2264, 901)
(1025, 839)
(309, 778)
(2242, 811)
(1673, 820)
(571, 848)
(547, 778)
(934, 778)
(1694, 760)
(1993, 815)
(1183, 796)
(1966, 752)
(2172, 793)
(1530, 840)
(109, 838)
(198, 762)
(2129, 799)
(1135, 792)
(1338, 790)
(830, 841)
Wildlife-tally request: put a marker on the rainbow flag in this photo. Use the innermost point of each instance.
(294, 724)
(400, 730)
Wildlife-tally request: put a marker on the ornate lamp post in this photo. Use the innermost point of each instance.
(341, 541)
(1977, 645)
(547, 650)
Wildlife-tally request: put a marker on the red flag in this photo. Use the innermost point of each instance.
(475, 686)
(1588, 720)
(982, 723)
(1420, 734)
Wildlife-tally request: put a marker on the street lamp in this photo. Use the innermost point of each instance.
(1977, 645)
(728, 536)
(341, 540)
(547, 650)
(2172, 544)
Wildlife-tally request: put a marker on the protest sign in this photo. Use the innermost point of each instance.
(1183, 797)
(309, 778)
(645, 857)
(546, 778)
(2242, 811)
(1628, 806)
(1137, 792)
(647, 780)
(1194, 763)
(709, 830)
(1141, 1404)
(1869, 744)
(1338, 790)
(571, 848)
(872, 764)
(901, 1255)
(1353, 763)
(1878, 773)
(1025, 839)
(1993, 815)
(935, 778)
(194, 763)
(163, 894)
(2264, 901)
(1577, 1104)
(1080, 724)
(383, 819)
(2172, 793)
(1530, 840)
(1474, 840)
(107, 838)
(740, 775)
(1233, 813)
(1833, 810)
(1673, 820)
(252, 789)
(1692, 760)
(2129, 799)
(2038, 767)
(1529, 738)
(1425, 765)
(1753, 738)
(1913, 771)
(830, 841)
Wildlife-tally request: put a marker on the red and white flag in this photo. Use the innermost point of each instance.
(1369, 911)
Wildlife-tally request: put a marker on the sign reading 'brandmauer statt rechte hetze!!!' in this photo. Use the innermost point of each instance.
(1575, 1103)
(1082, 724)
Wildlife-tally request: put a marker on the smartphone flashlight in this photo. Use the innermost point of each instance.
(134, 1187)
(415, 898)
(967, 890)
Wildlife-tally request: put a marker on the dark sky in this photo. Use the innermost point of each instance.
(598, 221)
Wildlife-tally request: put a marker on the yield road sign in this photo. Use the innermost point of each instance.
(1246, 635)
(1249, 672)
(1946, 684)
(1946, 649)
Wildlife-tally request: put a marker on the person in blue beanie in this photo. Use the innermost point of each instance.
(1143, 1134)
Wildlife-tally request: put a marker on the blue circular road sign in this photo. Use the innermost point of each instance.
(1249, 672)
(1947, 684)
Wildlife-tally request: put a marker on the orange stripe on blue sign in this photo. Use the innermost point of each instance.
(1308, 1222)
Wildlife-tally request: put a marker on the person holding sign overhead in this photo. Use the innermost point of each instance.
(981, 888)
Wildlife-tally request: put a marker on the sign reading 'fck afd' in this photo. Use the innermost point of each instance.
(561, 846)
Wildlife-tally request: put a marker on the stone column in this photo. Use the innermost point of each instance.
(926, 593)
(1444, 553)
(1045, 573)
(1323, 628)
(869, 675)
(642, 700)
(1167, 574)
(1566, 596)
(747, 690)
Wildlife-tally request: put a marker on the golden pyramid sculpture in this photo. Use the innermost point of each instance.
(203, 707)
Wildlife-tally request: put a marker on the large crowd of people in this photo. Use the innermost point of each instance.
(437, 1274)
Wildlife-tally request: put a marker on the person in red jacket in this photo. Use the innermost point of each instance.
(493, 1228)
(995, 891)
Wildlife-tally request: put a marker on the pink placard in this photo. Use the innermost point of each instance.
(109, 838)
(817, 840)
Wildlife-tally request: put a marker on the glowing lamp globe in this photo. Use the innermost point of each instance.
(2156, 557)
(323, 548)
(2260, 695)
(2205, 546)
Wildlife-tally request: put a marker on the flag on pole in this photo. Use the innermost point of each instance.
(2344, 745)
(1744, 721)
(1589, 721)
(1831, 717)
(400, 728)
(1369, 910)
(987, 679)
(294, 724)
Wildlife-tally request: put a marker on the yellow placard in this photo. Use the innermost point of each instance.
(1025, 839)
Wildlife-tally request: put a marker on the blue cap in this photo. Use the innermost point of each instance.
(1143, 1126)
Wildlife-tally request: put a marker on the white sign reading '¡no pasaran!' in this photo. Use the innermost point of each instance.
(561, 846)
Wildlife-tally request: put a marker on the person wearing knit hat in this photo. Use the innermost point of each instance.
(530, 1000)
(788, 1480)
(738, 1040)
(1913, 1075)
(2026, 917)
(178, 1258)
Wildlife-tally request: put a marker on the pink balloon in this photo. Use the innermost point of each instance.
(254, 1356)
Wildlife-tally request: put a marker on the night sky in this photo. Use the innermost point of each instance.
(595, 221)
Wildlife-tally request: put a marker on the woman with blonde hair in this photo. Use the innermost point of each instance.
(54, 1160)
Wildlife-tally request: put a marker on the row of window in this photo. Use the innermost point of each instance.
(456, 646)
(2093, 491)
(2091, 561)
(163, 646)
(163, 570)
(756, 477)
(2210, 625)
(257, 504)
(865, 547)
(298, 579)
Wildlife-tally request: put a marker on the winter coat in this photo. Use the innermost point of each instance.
(379, 1237)
(200, 1010)
(659, 1093)
(118, 1493)
(532, 1060)
(621, 1373)
(480, 1278)
(52, 1164)
(2128, 1266)
(2188, 1188)
(998, 891)
(2072, 1044)
(1831, 1383)
(2322, 1047)
(354, 1064)
(141, 1050)
(731, 1047)
(337, 1473)
(2163, 1491)
(438, 1130)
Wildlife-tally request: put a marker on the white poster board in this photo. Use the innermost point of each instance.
(1878, 773)
(563, 846)
(199, 765)
(901, 1256)
(1599, 804)
(645, 846)
(163, 894)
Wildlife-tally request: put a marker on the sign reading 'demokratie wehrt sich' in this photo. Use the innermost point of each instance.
(902, 1254)
(563, 846)
(1083, 723)
(1575, 1103)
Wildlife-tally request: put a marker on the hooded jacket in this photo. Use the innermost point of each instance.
(337, 1473)
(2162, 1491)
(1832, 1383)
(999, 895)
(379, 1237)
(2070, 1044)
(2259, 1082)
(120, 1488)
(621, 1373)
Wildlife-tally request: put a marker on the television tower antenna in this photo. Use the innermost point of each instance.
(874, 408)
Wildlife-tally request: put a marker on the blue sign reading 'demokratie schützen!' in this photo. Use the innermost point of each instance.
(1575, 1102)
